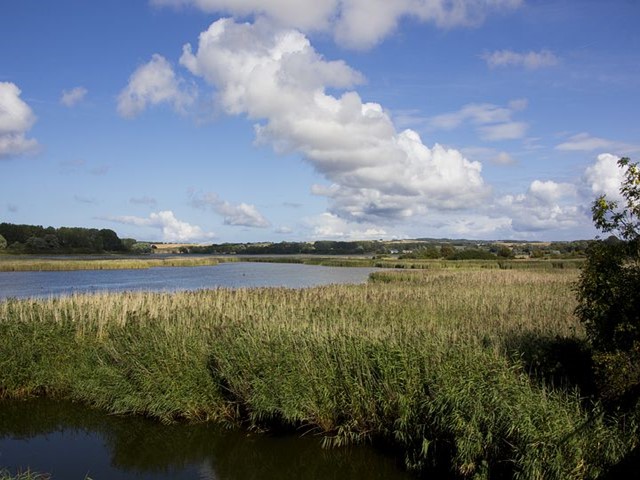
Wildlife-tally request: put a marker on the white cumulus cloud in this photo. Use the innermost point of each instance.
(330, 226)
(529, 60)
(173, 230)
(276, 78)
(604, 177)
(242, 214)
(16, 119)
(153, 83)
(70, 98)
(547, 205)
(355, 23)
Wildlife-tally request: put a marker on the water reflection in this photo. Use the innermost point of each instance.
(71, 441)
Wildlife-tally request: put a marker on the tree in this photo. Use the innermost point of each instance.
(609, 289)
(141, 248)
(3, 243)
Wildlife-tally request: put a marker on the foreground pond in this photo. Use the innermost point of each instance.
(70, 442)
(232, 275)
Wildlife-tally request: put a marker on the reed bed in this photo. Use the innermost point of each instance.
(428, 362)
(26, 265)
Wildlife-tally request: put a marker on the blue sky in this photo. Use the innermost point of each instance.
(289, 120)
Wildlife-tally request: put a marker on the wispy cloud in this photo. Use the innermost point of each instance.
(84, 199)
(529, 60)
(81, 166)
(145, 200)
(242, 214)
(71, 98)
(490, 155)
(493, 122)
(585, 142)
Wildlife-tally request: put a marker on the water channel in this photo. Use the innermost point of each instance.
(70, 441)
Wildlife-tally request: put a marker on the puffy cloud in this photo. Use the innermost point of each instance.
(153, 83)
(493, 122)
(528, 60)
(477, 226)
(275, 77)
(330, 226)
(355, 23)
(173, 230)
(604, 177)
(549, 192)
(546, 205)
(70, 98)
(242, 214)
(16, 118)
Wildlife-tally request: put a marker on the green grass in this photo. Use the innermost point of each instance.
(440, 364)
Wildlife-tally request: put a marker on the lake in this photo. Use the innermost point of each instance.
(228, 275)
(71, 441)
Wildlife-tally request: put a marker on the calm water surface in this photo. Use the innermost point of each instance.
(231, 275)
(70, 441)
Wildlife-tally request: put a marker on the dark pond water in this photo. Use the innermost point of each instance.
(70, 442)
(233, 275)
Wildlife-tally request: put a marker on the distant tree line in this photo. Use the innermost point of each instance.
(323, 247)
(412, 249)
(37, 239)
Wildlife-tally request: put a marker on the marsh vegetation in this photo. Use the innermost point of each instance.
(472, 372)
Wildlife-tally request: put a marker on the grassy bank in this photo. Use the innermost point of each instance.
(13, 264)
(455, 369)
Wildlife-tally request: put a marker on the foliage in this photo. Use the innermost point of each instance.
(37, 239)
(472, 254)
(3, 243)
(141, 248)
(609, 289)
